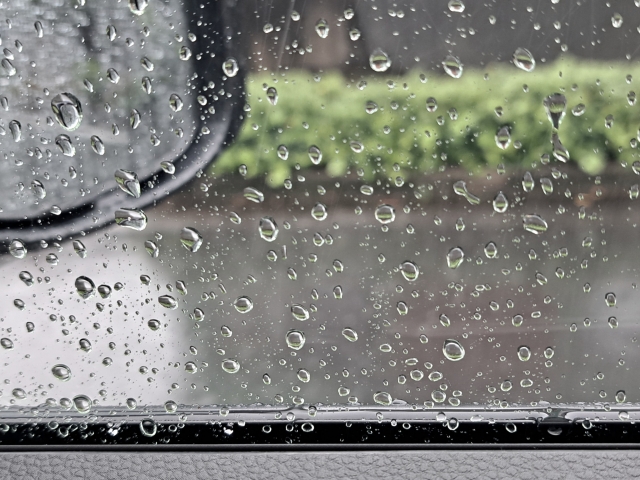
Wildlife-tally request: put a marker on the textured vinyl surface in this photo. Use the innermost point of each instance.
(575, 464)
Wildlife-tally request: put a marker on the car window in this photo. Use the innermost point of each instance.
(429, 206)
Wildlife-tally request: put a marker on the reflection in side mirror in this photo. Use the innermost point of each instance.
(108, 111)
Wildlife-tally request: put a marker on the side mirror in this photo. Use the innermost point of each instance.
(98, 122)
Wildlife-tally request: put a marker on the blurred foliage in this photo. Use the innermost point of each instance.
(403, 138)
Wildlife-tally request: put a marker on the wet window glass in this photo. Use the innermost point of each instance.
(311, 204)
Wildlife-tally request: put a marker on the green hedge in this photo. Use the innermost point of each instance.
(416, 142)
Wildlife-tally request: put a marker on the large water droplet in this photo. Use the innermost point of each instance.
(134, 118)
(383, 398)
(64, 144)
(138, 7)
(385, 214)
(560, 153)
(523, 59)
(527, 182)
(524, 353)
(409, 271)
(67, 110)
(61, 372)
(230, 365)
(315, 154)
(610, 299)
(272, 95)
(283, 152)
(175, 102)
(152, 248)
(243, 304)
(455, 257)
(8, 67)
(299, 312)
(16, 130)
(128, 182)
(503, 137)
(148, 427)
(452, 66)
(460, 188)
(131, 218)
(452, 350)
(6, 343)
(97, 145)
(85, 345)
(17, 249)
(190, 239)
(170, 406)
(254, 195)
(319, 211)
(500, 203)
(534, 224)
(295, 339)
(379, 61)
(456, 6)
(104, 291)
(350, 334)
(268, 229)
(82, 403)
(85, 287)
(167, 301)
(38, 189)
(79, 248)
(322, 28)
(26, 278)
(490, 250)
(230, 67)
(555, 105)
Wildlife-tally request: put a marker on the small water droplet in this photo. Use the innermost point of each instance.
(560, 153)
(503, 137)
(38, 189)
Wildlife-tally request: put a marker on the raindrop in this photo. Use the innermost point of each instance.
(383, 398)
(452, 350)
(616, 20)
(319, 211)
(38, 189)
(61, 372)
(524, 353)
(39, 30)
(523, 59)
(153, 324)
(534, 224)
(560, 153)
(131, 218)
(503, 137)
(283, 152)
(17, 249)
(456, 6)
(385, 214)
(104, 291)
(8, 67)
(295, 339)
(138, 7)
(64, 144)
(379, 61)
(547, 185)
(452, 66)
(16, 130)
(6, 343)
(245, 304)
(322, 28)
(134, 118)
(97, 145)
(272, 95)
(85, 287)
(299, 312)
(128, 182)
(350, 334)
(455, 257)
(67, 110)
(409, 271)
(460, 188)
(184, 54)
(610, 299)
(26, 278)
(490, 250)
(190, 367)
(555, 106)
(82, 403)
(148, 427)
(167, 301)
(152, 248)
(175, 102)
(170, 406)
(190, 239)
(111, 32)
(79, 248)
(254, 195)
(527, 182)
(268, 229)
(315, 154)
(371, 107)
(230, 365)
(579, 110)
(500, 203)
(230, 67)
